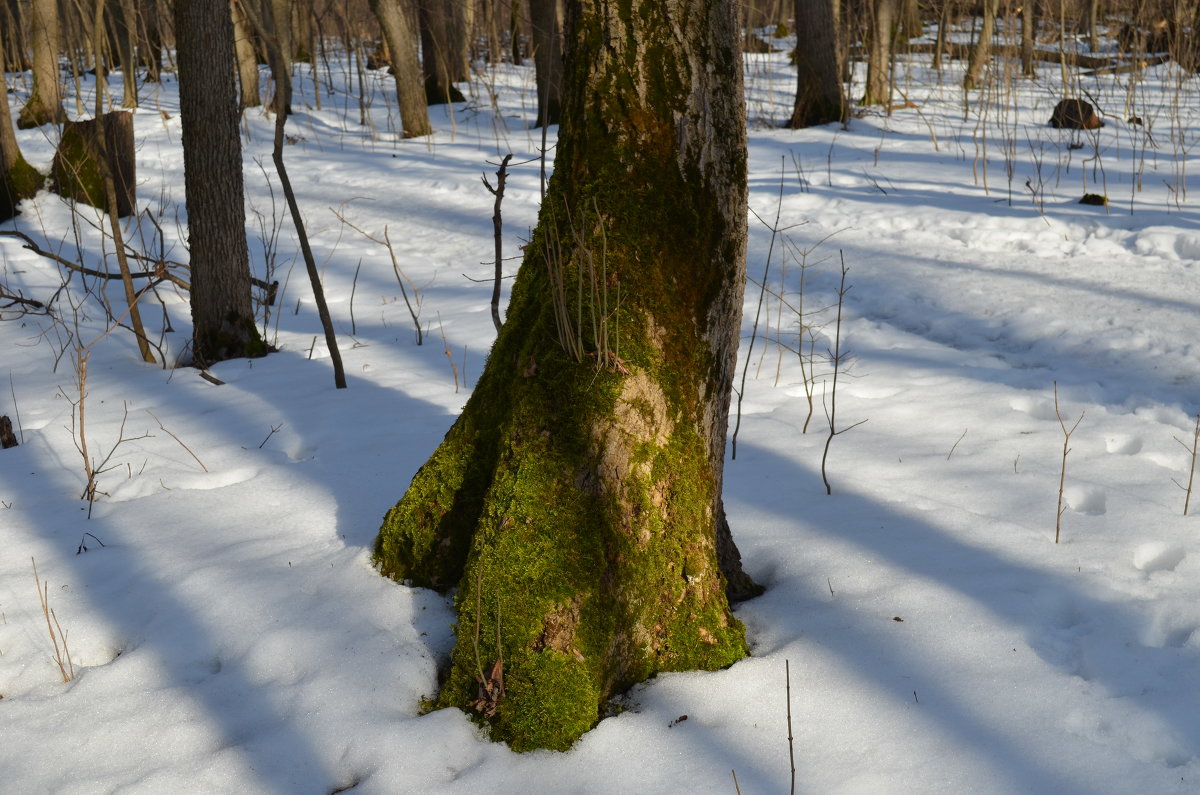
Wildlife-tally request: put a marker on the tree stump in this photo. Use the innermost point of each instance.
(1075, 114)
(77, 172)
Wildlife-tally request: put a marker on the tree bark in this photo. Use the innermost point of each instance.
(44, 105)
(406, 66)
(819, 96)
(576, 502)
(222, 316)
(547, 59)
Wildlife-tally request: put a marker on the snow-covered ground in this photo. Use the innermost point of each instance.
(228, 633)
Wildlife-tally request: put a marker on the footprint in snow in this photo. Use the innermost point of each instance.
(1085, 499)
(1157, 556)
(1036, 407)
(1122, 444)
(1173, 626)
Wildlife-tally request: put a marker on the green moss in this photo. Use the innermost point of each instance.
(550, 705)
(21, 181)
(76, 172)
(236, 338)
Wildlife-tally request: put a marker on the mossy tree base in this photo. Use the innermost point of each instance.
(36, 113)
(20, 181)
(576, 502)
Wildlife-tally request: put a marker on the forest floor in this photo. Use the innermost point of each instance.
(227, 633)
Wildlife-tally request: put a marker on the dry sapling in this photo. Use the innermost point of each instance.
(1066, 449)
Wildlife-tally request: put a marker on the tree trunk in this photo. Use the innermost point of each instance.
(514, 32)
(222, 317)
(443, 50)
(492, 21)
(576, 502)
(547, 59)
(247, 57)
(940, 45)
(1029, 23)
(125, 18)
(45, 102)
(911, 26)
(981, 53)
(150, 40)
(18, 179)
(879, 63)
(15, 35)
(819, 98)
(277, 18)
(406, 66)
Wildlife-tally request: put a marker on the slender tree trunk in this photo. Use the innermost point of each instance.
(515, 27)
(879, 63)
(492, 10)
(150, 38)
(277, 17)
(939, 47)
(406, 66)
(126, 24)
(576, 502)
(547, 59)
(1093, 25)
(247, 57)
(819, 96)
(45, 102)
(15, 34)
(1029, 22)
(981, 53)
(222, 316)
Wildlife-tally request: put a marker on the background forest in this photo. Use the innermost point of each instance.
(977, 540)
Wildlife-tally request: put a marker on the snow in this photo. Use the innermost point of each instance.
(228, 633)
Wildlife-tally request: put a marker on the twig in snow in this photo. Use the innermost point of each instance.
(1062, 478)
(1191, 467)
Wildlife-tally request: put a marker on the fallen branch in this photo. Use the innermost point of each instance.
(16, 299)
(160, 270)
